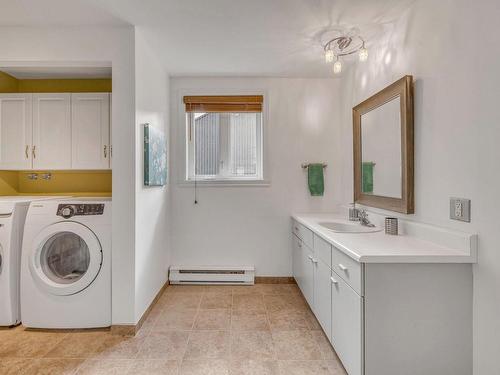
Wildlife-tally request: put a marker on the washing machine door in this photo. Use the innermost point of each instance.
(66, 258)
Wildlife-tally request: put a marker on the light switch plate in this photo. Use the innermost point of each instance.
(460, 209)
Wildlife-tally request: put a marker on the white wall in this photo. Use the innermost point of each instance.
(114, 47)
(251, 225)
(450, 47)
(151, 219)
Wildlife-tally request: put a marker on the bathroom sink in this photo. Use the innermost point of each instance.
(340, 227)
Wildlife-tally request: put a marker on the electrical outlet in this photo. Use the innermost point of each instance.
(460, 209)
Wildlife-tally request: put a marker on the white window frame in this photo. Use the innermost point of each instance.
(181, 152)
(225, 157)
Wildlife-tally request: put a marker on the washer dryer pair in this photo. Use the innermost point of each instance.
(13, 211)
(66, 264)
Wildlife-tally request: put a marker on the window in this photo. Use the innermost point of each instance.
(224, 137)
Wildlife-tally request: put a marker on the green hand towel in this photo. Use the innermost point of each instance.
(315, 179)
(367, 176)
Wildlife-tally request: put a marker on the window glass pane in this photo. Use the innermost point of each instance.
(225, 145)
(243, 144)
(65, 258)
(207, 149)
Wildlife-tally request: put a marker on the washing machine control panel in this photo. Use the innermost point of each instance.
(70, 210)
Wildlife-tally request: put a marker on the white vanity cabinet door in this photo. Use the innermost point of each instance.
(303, 270)
(51, 131)
(347, 323)
(297, 259)
(90, 131)
(15, 131)
(308, 274)
(323, 296)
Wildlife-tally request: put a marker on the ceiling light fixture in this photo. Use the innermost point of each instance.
(337, 66)
(344, 45)
(363, 53)
(329, 56)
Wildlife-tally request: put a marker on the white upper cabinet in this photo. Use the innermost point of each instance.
(15, 131)
(51, 131)
(110, 131)
(90, 131)
(55, 131)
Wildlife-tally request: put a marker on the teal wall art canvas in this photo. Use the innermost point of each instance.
(155, 156)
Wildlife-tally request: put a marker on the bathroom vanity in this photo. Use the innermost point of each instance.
(390, 305)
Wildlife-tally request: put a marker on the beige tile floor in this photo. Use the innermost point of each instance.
(264, 329)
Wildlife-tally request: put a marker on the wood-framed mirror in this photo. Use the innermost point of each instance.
(383, 148)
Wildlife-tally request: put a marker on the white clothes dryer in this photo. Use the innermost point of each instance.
(66, 264)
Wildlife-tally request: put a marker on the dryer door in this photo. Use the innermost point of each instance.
(66, 258)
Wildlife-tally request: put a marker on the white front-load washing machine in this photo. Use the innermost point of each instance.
(12, 217)
(66, 264)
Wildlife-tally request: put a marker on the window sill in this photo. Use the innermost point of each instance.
(225, 183)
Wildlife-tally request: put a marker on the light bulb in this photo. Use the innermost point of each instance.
(329, 56)
(337, 67)
(363, 54)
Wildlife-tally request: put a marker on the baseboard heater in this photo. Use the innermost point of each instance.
(222, 275)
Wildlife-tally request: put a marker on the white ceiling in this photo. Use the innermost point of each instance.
(221, 37)
(54, 12)
(57, 72)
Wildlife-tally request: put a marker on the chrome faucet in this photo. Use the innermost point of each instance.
(363, 219)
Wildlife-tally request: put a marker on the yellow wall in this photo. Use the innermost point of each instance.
(8, 83)
(11, 84)
(78, 183)
(9, 183)
(82, 183)
(64, 85)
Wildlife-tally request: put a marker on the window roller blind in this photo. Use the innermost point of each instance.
(244, 103)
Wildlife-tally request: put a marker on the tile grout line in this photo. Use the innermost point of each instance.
(268, 318)
(190, 333)
(231, 332)
(55, 344)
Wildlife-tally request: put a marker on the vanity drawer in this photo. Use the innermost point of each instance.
(323, 250)
(348, 269)
(303, 233)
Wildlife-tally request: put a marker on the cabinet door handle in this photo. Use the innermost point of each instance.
(310, 257)
(105, 151)
(333, 281)
(342, 267)
(33, 152)
(296, 229)
(26, 150)
(314, 260)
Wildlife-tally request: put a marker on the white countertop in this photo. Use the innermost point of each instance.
(379, 247)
